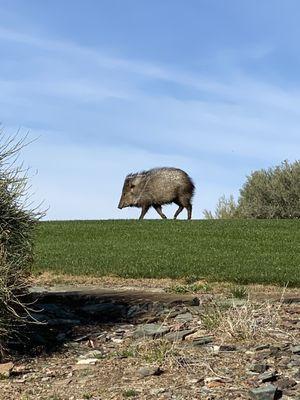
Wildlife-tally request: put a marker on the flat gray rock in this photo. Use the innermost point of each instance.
(186, 317)
(153, 330)
(261, 347)
(267, 392)
(227, 347)
(178, 335)
(201, 341)
(296, 349)
(268, 376)
(149, 371)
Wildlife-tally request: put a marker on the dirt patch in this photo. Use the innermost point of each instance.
(104, 343)
(49, 280)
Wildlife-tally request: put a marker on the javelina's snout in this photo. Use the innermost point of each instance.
(120, 206)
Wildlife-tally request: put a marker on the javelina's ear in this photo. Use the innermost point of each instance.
(135, 181)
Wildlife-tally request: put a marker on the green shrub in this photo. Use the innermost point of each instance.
(272, 193)
(267, 194)
(17, 222)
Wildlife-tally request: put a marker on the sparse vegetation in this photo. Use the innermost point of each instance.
(17, 222)
(210, 319)
(87, 396)
(155, 351)
(238, 251)
(130, 393)
(191, 279)
(226, 208)
(191, 288)
(249, 322)
(239, 292)
(126, 353)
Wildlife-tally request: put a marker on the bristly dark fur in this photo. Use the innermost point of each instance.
(135, 174)
(156, 187)
(156, 169)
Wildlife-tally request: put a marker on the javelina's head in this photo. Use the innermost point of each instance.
(131, 192)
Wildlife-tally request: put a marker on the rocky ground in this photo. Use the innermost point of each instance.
(105, 344)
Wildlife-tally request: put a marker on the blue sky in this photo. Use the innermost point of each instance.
(109, 87)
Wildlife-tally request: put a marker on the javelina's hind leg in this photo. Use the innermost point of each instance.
(159, 210)
(180, 208)
(144, 210)
(189, 211)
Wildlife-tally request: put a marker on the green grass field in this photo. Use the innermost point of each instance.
(241, 251)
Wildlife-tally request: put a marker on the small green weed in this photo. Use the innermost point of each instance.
(210, 320)
(126, 353)
(191, 288)
(191, 279)
(239, 292)
(154, 351)
(54, 397)
(130, 393)
(178, 289)
(203, 287)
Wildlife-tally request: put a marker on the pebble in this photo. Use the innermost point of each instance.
(5, 369)
(295, 361)
(157, 391)
(149, 371)
(117, 340)
(285, 383)
(92, 354)
(210, 379)
(261, 347)
(88, 361)
(295, 349)
(198, 334)
(227, 347)
(258, 367)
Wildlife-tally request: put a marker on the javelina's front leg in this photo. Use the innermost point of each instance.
(159, 210)
(144, 210)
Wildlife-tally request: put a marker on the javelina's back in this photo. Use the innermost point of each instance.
(164, 185)
(156, 187)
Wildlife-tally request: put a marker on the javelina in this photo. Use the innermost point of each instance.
(156, 187)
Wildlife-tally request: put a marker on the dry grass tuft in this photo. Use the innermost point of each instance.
(250, 321)
(155, 351)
